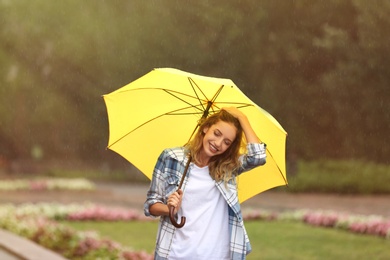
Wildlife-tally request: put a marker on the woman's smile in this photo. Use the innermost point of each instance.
(217, 139)
(213, 148)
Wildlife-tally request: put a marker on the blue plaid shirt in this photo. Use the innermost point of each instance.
(166, 177)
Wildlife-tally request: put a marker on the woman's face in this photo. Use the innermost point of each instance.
(218, 138)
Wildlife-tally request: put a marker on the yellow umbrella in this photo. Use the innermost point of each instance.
(161, 110)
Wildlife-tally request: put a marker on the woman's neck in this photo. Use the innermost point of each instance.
(202, 160)
(201, 165)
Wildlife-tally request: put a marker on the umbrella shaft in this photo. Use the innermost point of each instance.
(206, 111)
(185, 172)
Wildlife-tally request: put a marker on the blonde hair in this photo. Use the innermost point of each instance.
(222, 166)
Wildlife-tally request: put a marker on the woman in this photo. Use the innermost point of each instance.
(214, 226)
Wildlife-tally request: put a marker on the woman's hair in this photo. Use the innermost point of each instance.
(222, 166)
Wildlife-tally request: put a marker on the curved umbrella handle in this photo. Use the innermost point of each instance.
(173, 220)
(172, 209)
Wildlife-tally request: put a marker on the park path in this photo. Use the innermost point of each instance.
(133, 195)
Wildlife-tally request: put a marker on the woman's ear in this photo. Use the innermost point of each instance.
(205, 130)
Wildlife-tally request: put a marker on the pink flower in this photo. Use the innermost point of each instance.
(358, 227)
(38, 185)
(104, 214)
(142, 255)
(321, 219)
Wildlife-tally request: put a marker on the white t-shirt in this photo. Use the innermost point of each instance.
(206, 232)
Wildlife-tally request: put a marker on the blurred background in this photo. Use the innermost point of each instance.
(321, 68)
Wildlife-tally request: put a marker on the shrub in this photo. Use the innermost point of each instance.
(343, 177)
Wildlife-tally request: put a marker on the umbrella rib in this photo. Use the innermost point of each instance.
(280, 171)
(239, 104)
(163, 89)
(176, 96)
(192, 83)
(150, 120)
(217, 93)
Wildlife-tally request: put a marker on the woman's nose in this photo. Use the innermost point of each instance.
(218, 142)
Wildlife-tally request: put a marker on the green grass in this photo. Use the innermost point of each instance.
(270, 240)
(286, 240)
(139, 235)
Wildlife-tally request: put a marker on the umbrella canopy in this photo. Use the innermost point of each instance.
(161, 110)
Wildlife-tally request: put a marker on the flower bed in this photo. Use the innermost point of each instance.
(47, 184)
(37, 222)
(72, 212)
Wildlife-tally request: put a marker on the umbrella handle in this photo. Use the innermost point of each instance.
(173, 220)
(172, 209)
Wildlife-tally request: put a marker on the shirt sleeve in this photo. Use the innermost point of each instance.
(255, 156)
(156, 192)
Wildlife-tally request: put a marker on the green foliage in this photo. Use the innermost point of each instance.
(320, 67)
(343, 177)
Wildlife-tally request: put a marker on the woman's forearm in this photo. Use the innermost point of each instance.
(159, 209)
(250, 134)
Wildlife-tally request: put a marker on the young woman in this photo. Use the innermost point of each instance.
(214, 226)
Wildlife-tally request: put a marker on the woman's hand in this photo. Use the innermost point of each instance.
(174, 200)
(234, 112)
(160, 209)
(250, 134)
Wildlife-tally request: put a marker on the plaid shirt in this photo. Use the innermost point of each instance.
(166, 177)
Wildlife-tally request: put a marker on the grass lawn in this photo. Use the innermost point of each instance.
(270, 240)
